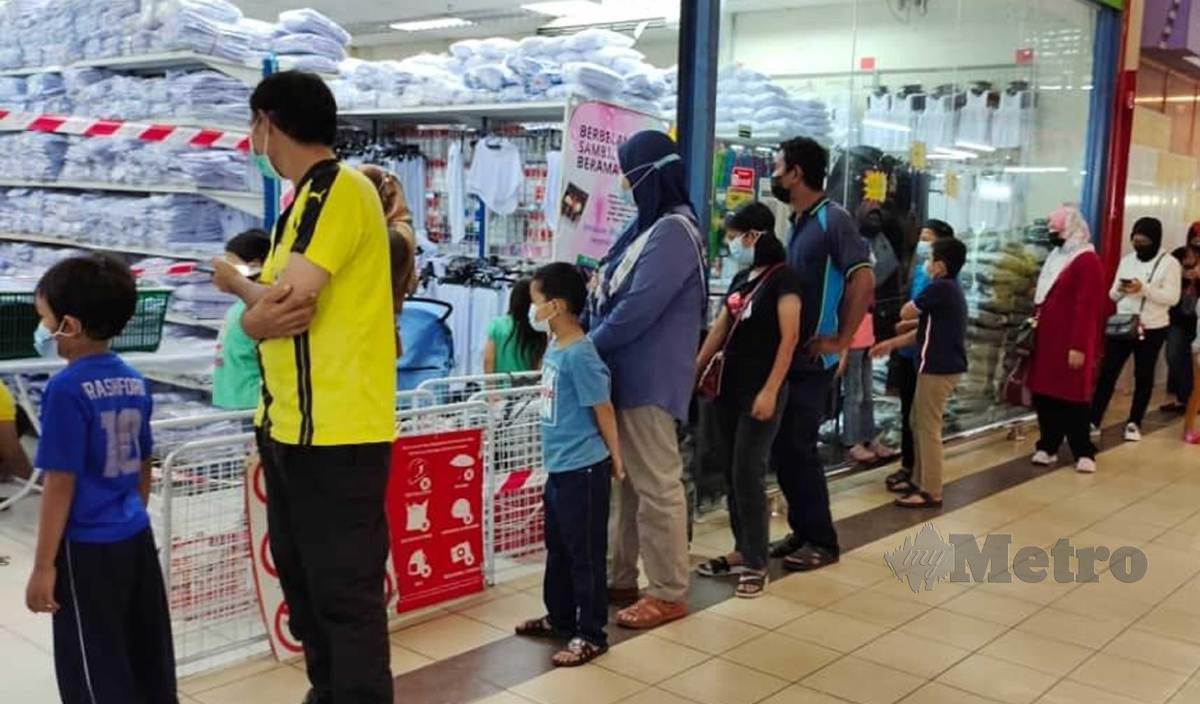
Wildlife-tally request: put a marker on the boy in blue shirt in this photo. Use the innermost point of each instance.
(96, 568)
(581, 455)
(941, 314)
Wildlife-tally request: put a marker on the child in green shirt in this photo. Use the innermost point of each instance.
(512, 343)
(237, 377)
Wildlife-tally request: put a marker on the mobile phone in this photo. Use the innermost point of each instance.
(1126, 282)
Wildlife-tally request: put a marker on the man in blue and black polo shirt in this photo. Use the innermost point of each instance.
(833, 262)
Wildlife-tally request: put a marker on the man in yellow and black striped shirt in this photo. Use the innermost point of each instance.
(322, 311)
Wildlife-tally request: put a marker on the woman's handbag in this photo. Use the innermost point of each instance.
(1128, 326)
(1014, 390)
(709, 385)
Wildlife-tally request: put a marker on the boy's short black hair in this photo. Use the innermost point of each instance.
(253, 245)
(96, 289)
(299, 104)
(811, 157)
(951, 252)
(941, 229)
(562, 280)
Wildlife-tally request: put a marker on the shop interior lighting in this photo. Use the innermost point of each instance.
(1035, 169)
(431, 24)
(974, 146)
(613, 12)
(884, 125)
(562, 8)
(945, 157)
(956, 153)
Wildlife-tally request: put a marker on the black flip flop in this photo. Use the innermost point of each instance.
(904, 486)
(901, 475)
(719, 567)
(927, 500)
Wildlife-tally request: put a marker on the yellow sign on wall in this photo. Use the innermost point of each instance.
(916, 154)
(951, 184)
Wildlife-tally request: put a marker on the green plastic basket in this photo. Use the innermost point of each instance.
(19, 320)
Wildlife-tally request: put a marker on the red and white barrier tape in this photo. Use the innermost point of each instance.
(92, 127)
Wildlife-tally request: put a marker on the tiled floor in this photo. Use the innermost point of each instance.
(849, 633)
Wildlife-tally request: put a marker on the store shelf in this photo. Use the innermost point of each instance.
(142, 251)
(180, 319)
(163, 377)
(242, 200)
(138, 360)
(548, 111)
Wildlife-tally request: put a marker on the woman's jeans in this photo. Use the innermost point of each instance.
(1145, 358)
(858, 402)
(1179, 362)
(744, 445)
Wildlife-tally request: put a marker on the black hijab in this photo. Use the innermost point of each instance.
(1151, 228)
(658, 183)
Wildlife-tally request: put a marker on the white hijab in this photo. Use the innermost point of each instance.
(1077, 240)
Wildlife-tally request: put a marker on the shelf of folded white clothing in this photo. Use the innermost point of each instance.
(154, 63)
(189, 321)
(123, 249)
(545, 111)
(246, 201)
(138, 360)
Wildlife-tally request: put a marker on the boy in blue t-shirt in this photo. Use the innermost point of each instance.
(581, 455)
(941, 314)
(96, 568)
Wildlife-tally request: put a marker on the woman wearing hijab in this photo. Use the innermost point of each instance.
(646, 312)
(1069, 300)
(1146, 287)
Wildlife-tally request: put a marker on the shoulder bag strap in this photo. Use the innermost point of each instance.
(1150, 281)
(749, 298)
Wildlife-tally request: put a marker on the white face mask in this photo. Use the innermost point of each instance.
(542, 326)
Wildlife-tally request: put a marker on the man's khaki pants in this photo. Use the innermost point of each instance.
(929, 407)
(652, 508)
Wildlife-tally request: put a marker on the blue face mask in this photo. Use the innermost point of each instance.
(262, 162)
(45, 342)
(924, 249)
(743, 255)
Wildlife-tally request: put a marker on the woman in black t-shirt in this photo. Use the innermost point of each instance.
(756, 334)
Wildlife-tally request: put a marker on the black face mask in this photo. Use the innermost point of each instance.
(781, 192)
(870, 229)
(1145, 252)
(1055, 240)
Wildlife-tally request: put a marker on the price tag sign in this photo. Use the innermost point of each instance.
(875, 186)
(951, 184)
(916, 154)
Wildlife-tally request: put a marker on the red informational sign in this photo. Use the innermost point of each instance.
(1024, 56)
(742, 178)
(866, 63)
(435, 510)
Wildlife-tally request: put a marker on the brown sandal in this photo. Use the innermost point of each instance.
(578, 652)
(538, 628)
(649, 612)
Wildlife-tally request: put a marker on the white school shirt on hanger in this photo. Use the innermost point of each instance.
(1012, 122)
(456, 196)
(975, 119)
(497, 175)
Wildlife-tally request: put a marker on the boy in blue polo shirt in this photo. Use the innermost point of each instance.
(96, 568)
(582, 456)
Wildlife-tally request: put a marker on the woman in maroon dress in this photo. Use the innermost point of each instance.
(1070, 303)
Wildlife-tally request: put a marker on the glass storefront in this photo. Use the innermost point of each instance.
(974, 112)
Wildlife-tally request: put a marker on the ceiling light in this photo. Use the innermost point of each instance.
(974, 145)
(1035, 169)
(957, 153)
(431, 24)
(884, 125)
(562, 8)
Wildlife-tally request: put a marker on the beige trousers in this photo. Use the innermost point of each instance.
(928, 409)
(652, 508)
